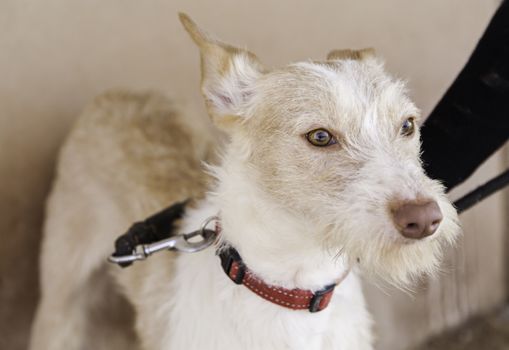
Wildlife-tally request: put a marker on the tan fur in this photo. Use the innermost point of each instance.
(137, 149)
(216, 62)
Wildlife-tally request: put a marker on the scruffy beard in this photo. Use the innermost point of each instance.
(398, 264)
(391, 258)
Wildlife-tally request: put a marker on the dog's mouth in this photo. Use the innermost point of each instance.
(401, 240)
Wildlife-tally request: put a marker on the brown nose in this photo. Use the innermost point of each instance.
(417, 220)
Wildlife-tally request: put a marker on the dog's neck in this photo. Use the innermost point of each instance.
(279, 246)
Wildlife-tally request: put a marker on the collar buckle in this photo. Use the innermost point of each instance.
(321, 298)
(232, 264)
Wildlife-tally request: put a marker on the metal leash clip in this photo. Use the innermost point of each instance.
(180, 243)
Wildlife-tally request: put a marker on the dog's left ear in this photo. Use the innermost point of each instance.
(351, 54)
(228, 75)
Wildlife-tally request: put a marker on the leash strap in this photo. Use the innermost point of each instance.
(481, 192)
(162, 224)
(155, 228)
(471, 120)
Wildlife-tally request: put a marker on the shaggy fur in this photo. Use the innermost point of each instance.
(301, 216)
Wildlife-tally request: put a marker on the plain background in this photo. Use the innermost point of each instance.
(55, 55)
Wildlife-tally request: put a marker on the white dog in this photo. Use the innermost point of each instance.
(320, 180)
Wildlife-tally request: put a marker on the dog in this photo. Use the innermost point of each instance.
(319, 181)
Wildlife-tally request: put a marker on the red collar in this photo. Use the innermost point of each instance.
(295, 299)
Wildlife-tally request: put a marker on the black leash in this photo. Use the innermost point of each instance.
(162, 225)
(471, 121)
(155, 228)
(481, 192)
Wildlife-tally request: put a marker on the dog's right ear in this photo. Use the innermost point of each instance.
(351, 54)
(228, 75)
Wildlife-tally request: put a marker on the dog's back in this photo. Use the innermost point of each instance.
(129, 155)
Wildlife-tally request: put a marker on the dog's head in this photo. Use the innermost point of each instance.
(337, 142)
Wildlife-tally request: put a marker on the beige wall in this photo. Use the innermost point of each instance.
(55, 55)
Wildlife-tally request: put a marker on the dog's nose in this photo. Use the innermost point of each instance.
(417, 220)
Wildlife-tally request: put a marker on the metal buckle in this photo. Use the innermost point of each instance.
(314, 304)
(180, 243)
(228, 256)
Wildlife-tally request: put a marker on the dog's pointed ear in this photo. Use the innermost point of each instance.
(351, 54)
(228, 74)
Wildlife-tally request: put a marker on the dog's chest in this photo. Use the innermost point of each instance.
(208, 311)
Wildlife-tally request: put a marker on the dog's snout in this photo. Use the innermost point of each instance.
(417, 220)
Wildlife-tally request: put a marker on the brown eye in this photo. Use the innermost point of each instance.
(320, 138)
(408, 127)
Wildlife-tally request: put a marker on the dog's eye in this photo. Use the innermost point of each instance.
(320, 138)
(408, 127)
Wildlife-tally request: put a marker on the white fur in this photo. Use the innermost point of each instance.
(282, 250)
(229, 93)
